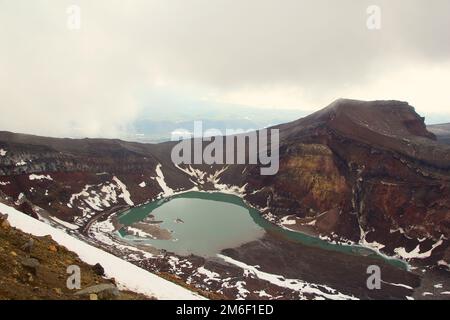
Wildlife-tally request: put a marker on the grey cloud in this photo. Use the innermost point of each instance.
(93, 82)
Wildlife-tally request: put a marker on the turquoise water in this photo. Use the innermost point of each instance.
(216, 221)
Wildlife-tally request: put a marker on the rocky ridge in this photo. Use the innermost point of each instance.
(35, 268)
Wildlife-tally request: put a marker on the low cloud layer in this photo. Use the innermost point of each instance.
(263, 53)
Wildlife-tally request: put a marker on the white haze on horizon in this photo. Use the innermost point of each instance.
(290, 54)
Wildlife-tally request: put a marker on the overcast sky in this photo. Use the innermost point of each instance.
(260, 53)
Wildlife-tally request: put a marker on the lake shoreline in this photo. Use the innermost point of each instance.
(324, 242)
(211, 274)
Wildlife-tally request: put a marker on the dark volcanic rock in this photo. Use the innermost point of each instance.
(344, 272)
(98, 269)
(372, 165)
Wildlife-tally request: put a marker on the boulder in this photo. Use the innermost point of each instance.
(4, 223)
(28, 247)
(104, 291)
(98, 269)
(30, 264)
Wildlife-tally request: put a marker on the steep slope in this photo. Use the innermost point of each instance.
(41, 272)
(58, 175)
(127, 275)
(365, 171)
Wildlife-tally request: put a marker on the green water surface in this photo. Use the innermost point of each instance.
(216, 221)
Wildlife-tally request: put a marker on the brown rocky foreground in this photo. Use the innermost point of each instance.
(35, 268)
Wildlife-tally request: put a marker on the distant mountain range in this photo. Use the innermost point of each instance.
(442, 131)
(157, 127)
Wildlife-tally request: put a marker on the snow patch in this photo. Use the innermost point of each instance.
(20, 199)
(285, 221)
(415, 253)
(139, 233)
(302, 287)
(125, 194)
(65, 224)
(234, 190)
(99, 197)
(263, 294)
(33, 177)
(210, 275)
(3, 152)
(398, 285)
(194, 173)
(167, 191)
(104, 232)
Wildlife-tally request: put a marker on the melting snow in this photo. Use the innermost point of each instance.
(243, 293)
(285, 221)
(104, 232)
(263, 294)
(20, 198)
(139, 233)
(142, 184)
(100, 197)
(167, 191)
(39, 177)
(195, 173)
(371, 245)
(210, 275)
(125, 194)
(415, 253)
(398, 285)
(294, 284)
(65, 224)
(233, 190)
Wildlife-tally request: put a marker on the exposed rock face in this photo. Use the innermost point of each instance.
(371, 165)
(372, 168)
(363, 171)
